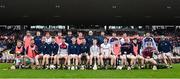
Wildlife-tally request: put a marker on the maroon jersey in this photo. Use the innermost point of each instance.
(148, 51)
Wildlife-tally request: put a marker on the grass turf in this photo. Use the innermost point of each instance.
(144, 73)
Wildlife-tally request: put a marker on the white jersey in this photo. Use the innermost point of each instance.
(106, 48)
(48, 40)
(94, 50)
(63, 48)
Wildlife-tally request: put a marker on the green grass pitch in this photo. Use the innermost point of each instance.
(144, 73)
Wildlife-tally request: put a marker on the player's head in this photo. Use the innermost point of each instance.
(124, 34)
(114, 34)
(32, 41)
(19, 43)
(63, 40)
(148, 34)
(102, 33)
(73, 39)
(59, 34)
(84, 41)
(135, 40)
(38, 33)
(149, 44)
(28, 33)
(94, 41)
(80, 34)
(43, 39)
(47, 34)
(163, 37)
(69, 33)
(126, 40)
(53, 40)
(90, 32)
(106, 40)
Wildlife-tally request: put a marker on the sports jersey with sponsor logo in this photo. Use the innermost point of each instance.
(165, 46)
(84, 48)
(63, 48)
(148, 52)
(128, 48)
(54, 48)
(94, 50)
(73, 49)
(106, 49)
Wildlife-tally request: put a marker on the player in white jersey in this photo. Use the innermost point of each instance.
(106, 52)
(94, 52)
(48, 38)
(62, 52)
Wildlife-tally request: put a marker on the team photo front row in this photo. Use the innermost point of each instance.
(112, 53)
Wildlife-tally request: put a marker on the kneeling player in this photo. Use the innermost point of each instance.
(106, 52)
(136, 50)
(19, 52)
(62, 53)
(127, 55)
(31, 53)
(165, 49)
(148, 55)
(117, 52)
(84, 51)
(73, 51)
(94, 54)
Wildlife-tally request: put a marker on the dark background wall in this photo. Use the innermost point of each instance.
(115, 12)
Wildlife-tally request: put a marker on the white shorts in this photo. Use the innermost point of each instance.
(139, 57)
(128, 56)
(106, 53)
(131, 56)
(73, 55)
(62, 55)
(167, 54)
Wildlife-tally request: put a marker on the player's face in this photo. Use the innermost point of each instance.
(43, 39)
(94, 42)
(53, 40)
(90, 33)
(63, 40)
(32, 42)
(113, 34)
(59, 34)
(84, 41)
(102, 33)
(124, 35)
(69, 33)
(148, 34)
(126, 41)
(28, 34)
(73, 40)
(80, 34)
(19, 44)
(163, 38)
(38, 33)
(47, 35)
(135, 41)
(149, 45)
(105, 40)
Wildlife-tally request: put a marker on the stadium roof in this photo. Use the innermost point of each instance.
(90, 12)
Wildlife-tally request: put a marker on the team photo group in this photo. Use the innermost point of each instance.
(89, 51)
